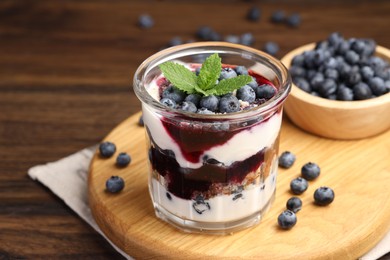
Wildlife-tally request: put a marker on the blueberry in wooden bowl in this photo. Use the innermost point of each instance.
(341, 88)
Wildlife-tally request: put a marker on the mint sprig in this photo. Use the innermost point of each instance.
(205, 83)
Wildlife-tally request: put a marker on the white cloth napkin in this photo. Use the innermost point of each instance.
(67, 178)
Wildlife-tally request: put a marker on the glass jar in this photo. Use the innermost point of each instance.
(212, 173)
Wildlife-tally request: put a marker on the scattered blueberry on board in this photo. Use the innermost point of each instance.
(271, 48)
(323, 196)
(145, 21)
(287, 219)
(294, 20)
(342, 69)
(123, 159)
(278, 16)
(253, 14)
(141, 121)
(310, 171)
(294, 204)
(286, 159)
(115, 184)
(298, 185)
(107, 149)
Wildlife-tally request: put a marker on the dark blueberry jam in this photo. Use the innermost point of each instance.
(185, 182)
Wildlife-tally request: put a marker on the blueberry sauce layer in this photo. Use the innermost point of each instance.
(186, 182)
(194, 139)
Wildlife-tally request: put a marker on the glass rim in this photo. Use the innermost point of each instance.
(189, 49)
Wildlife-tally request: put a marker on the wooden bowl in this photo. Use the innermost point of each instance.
(337, 119)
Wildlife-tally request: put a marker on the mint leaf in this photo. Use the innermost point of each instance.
(209, 72)
(179, 76)
(228, 85)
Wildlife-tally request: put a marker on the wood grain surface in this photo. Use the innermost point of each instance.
(65, 82)
(346, 229)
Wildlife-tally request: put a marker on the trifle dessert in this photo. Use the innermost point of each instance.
(212, 114)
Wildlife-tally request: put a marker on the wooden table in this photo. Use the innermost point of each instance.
(65, 81)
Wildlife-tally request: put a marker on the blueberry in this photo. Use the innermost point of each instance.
(344, 93)
(200, 205)
(310, 73)
(232, 38)
(353, 78)
(174, 94)
(327, 88)
(362, 91)
(168, 102)
(227, 73)
(377, 86)
(123, 159)
(241, 70)
(377, 63)
(302, 84)
(204, 111)
(286, 159)
(367, 73)
(197, 71)
(323, 196)
(107, 149)
(358, 46)
(265, 91)
(294, 204)
(310, 59)
(271, 48)
(246, 93)
(287, 219)
(278, 16)
(298, 185)
(310, 171)
(141, 121)
(194, 98)
(383, 73)
(344, 69)
(229, 104)
(331, 74)
(247, 39)
(253, 14)
(330, 63)
(145, 21)
(188, 106)
(297, 71)
(339, 59)
(214, 36)
(342, 48)
(335, 39)
(204, 32)
(294, 20)
(115, 184)
(370, 47)
(175, 41)
(298, 60)
(253, 84)
(209, 102)
(323, 58)
(317, 80)
(351, 57)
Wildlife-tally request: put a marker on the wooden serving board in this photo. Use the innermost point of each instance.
(358, 171)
